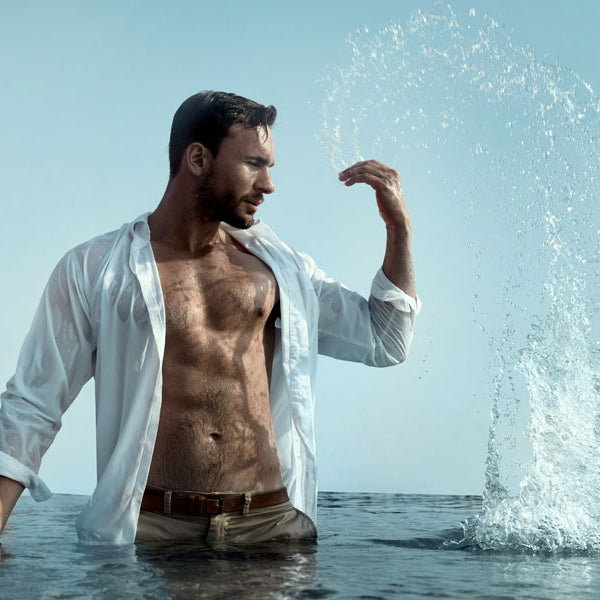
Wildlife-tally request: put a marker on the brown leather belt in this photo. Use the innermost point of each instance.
(188, 503)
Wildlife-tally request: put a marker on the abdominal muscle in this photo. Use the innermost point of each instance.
(215, 431)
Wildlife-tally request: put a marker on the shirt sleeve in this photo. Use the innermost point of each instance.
(377, 332)
(54, 364)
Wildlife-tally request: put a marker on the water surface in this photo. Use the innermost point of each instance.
(370, 546)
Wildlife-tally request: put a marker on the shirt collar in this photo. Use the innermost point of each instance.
(139, 230)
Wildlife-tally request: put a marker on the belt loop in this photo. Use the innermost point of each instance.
(167, 502)
(247, 502)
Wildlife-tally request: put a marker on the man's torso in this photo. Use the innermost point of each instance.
(215, 431)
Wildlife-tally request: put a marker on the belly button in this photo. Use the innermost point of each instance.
(215, 436)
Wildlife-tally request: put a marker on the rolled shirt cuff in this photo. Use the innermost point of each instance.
(383, 289)
(10, 467)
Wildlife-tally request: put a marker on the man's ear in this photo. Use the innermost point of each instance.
(197, 158)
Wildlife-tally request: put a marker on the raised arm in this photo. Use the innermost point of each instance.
(397, 263)
(377, 331)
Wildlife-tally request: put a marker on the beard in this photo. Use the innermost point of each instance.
(230, 210)
(223, 205)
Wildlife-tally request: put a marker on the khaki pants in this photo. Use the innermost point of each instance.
(279, 522)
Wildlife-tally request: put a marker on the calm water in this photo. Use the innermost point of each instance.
(370, 546)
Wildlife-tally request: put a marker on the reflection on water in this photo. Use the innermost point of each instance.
(40, 554)
(251, 572)
(516, 140)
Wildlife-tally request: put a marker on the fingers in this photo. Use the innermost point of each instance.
(371, 179)
(371, 172)
(367, 163)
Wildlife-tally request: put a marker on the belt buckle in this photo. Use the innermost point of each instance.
(167, 502)
(247, 501)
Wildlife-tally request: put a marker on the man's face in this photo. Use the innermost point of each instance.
(233, 186)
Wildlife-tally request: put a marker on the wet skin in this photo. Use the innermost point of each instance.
(215, 431)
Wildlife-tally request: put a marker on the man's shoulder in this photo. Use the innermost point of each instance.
(90, 255)
(100, 241)
(96, 247)
(105, 241)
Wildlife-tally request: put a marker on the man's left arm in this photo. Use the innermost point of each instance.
(397, 263)
(377, 331)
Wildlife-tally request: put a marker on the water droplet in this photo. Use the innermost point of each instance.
(529, 134)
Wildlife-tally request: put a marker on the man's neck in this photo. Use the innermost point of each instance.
(177, 223)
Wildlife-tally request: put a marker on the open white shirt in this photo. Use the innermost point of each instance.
(102, 315)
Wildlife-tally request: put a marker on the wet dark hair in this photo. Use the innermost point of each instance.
(206, 118)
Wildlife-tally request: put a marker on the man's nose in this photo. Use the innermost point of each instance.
(264, 183)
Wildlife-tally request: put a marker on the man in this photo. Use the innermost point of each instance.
(201, 330)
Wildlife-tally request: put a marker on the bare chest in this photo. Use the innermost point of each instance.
(223, 290)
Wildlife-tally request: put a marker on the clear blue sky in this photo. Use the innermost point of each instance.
(87, 98)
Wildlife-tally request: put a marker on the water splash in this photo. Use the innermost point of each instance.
(525, 133)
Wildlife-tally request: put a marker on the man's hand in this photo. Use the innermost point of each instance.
(9, 494)
(388, 190)
(397, 263)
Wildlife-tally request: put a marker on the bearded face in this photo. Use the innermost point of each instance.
(221, 202)
(232, 185)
